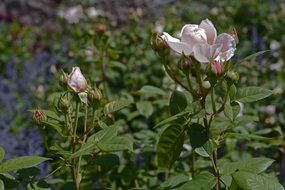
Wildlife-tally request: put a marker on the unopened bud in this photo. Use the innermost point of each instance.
(158, 44)
(206, 84)
(63, 80)
(186, 62)
(232, 75)
(39, 117)
(94, 95)
(76, 80)
(216, 67)
(63, 104)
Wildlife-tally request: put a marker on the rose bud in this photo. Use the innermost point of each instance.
(232, 75)
(63, 80)
(76, 80)
(94, 94)
(158, 44)
(63, 104)
(39, 117)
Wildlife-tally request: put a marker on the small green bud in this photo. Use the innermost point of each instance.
(232, 75)
(63, 80)
(206, 84)
(63, 104)
(94, 95)
(158, 44)
(186, 62)
(39, 117)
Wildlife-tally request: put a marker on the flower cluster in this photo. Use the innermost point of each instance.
(202, 42)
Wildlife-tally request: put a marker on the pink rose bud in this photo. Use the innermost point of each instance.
(217, 67)
(76, 80)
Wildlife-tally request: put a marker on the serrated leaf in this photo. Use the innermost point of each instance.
(198, 135)
(169, 146)
(151, 90)
(116, 106)
(251, 181)
(251, 94)
(177, 102)
(253, 165)
(145, 108)
(21, 162)
(175, 181)
(203, 181)
(2, 153)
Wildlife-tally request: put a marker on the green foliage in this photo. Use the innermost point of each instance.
(202, 181)
(21, 162)
(251, 181)
(251, 94)
(169, 146)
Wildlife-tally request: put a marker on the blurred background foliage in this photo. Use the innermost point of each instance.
(109, 41)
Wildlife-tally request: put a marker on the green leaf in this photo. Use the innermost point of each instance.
(83, 97)
(116, 144)
(169, 146)
(175, 181)
(151, 90)
(171, 119)
(177, 103)
(9, 181)
(2, 153)
(198, 135)
(116, 106)
(2, 185)
(228, 111)
(203, 181)
(21, 162)
(246, 119)
(253, 165)
(251, 181)
(56, 126)
(235, 108)
(232, 92)
(145, 108)
(253, 56)
(206, 150)
(248, 137)
(251, 94)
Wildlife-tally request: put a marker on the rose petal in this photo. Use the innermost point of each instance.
(228, 46)
(192, 35)
(210, 30)
(205, 53)
(176, 45)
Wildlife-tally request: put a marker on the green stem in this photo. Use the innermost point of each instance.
(217, 174)
(84, 138)
(75, 176)
(193, 163)
(76, 120)
(213, 100)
